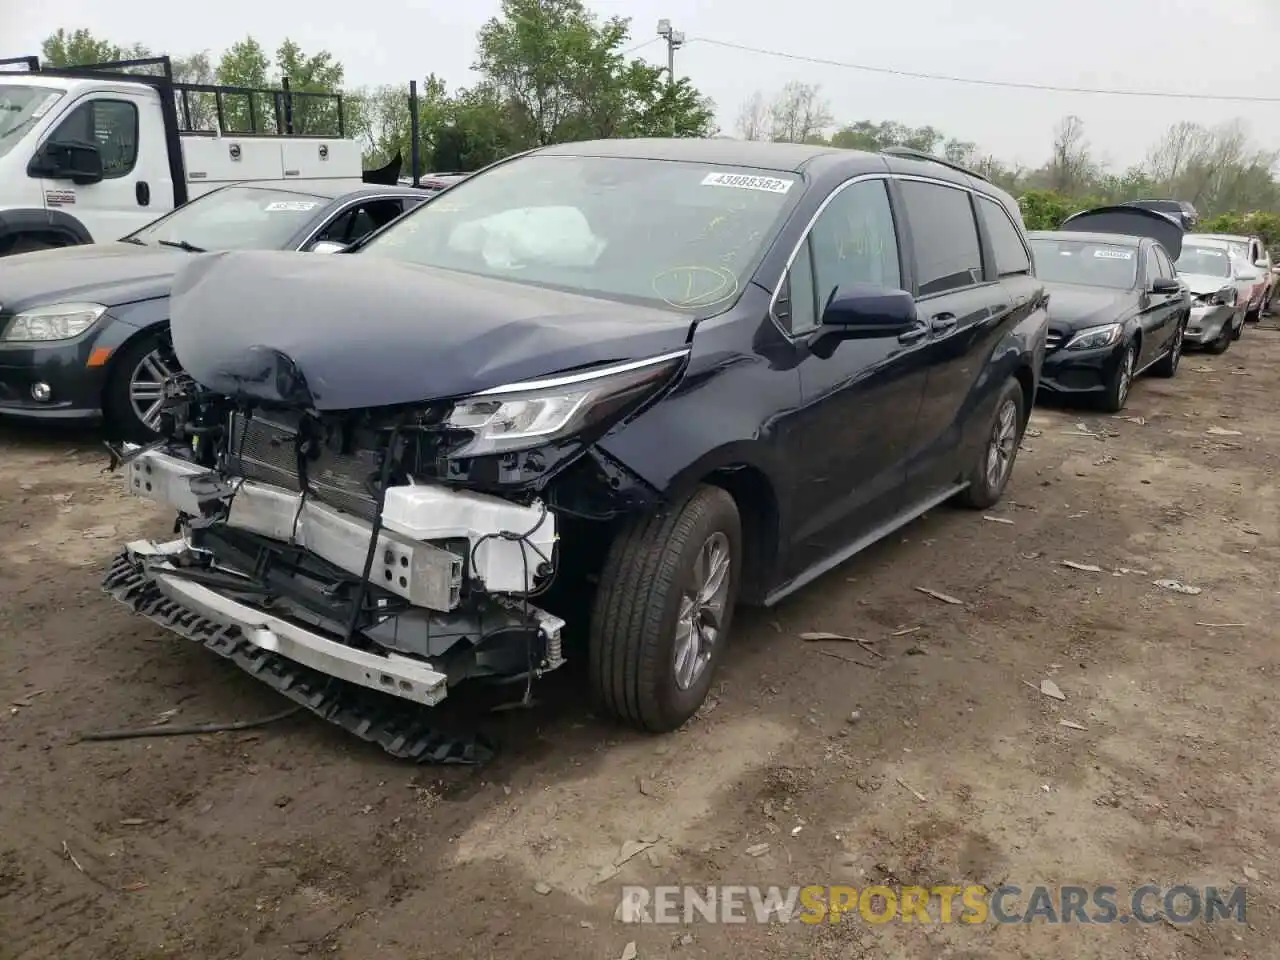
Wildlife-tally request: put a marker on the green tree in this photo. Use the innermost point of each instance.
(78, 48)
(563, 76)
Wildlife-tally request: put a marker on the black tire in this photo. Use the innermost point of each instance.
(647, 575)
(1223, 341)
(1118, 387)
(28, 245)
(1167, 366)
(1004, 433)
(122, 419)
(1238, 330)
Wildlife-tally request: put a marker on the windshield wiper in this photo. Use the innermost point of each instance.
(181, 245)
(141, 243)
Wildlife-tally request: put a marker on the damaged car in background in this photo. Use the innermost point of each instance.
(681, 373)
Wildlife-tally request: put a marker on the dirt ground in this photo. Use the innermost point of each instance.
(295, 839)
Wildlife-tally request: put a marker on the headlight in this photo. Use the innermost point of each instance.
(520, 416)
(1226, 297)
(58, 321)
(1095, 337)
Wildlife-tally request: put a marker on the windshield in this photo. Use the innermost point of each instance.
(235, 218)
(681, 234)
(1205, 261)
(20, 107)
(1092, 264)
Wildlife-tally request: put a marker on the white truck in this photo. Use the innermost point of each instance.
(93, 153)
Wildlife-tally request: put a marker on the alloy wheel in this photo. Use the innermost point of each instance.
(146, 387)
(1175, 353)
(1002, 446)
(702, 610)
(1127, 364)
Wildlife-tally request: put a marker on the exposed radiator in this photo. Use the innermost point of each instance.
(265, 449)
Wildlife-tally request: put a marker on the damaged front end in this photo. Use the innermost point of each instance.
(342, 554)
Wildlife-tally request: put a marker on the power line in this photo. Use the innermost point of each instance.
(640, 46)
(1011, 84)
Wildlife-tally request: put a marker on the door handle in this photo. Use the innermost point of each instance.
(942, 322)
(143, 192)
(918, 332)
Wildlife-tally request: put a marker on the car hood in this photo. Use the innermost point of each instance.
(1074, 306)
(1200, 283)
(347, 331)
(108, 273)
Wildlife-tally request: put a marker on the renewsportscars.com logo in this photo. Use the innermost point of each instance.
(944, 903)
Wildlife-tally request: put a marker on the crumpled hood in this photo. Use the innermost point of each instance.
(1074, 307)
(1201, 283)
(346, 331)
(108, 273)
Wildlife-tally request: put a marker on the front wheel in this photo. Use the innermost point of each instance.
(988, 477)
(1223, 340)
(1167, 366)
(134, 395)
(1117, 394)
(663, 611)
(1237, 329)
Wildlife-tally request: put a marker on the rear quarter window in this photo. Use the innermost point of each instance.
(1006, 240)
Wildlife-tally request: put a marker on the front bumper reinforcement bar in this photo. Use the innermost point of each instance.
(393, 723)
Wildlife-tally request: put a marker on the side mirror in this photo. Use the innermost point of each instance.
(1165, 285)
(81, 163)
(327, 246)
(1261, 264)
(864, 311)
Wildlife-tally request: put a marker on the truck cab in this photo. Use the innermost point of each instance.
(92, 154)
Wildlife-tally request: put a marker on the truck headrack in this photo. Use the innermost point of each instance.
(237, 111)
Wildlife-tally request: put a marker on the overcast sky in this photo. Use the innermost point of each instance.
(1219, 47)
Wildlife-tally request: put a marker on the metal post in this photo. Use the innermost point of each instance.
(413, 133)
(674, 38)
(288, 106)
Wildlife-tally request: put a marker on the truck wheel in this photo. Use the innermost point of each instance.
(1121, 382)
(135, 387)
(1167, 366)
(28, 245)
(990, 474)
(663, 611)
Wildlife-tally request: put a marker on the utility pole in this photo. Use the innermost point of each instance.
(675, 39)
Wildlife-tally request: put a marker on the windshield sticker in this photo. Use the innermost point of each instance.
(1113, 254)
(291, 206)
(744, 182)
(45, 104)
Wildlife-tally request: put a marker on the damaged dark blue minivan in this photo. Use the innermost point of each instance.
(691, 373)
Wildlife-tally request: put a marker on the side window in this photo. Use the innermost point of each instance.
(1152, 265)
(796, 307)
(360, 220)
(853, 241)
(1166, 267)
(112, 125)
(944, 236)
(1006, 242)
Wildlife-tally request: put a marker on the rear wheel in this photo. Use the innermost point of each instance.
(28, 245)
(664, 609)
(990, 474)
(1167, 366)
(134, 395)
(1121, 381)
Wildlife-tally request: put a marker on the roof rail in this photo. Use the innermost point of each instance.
(911, 153)
(245, 113)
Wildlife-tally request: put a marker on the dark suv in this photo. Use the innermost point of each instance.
(692, 372)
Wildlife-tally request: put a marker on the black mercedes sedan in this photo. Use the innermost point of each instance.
(83, 329)
(1116, 306)
(682, 373)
